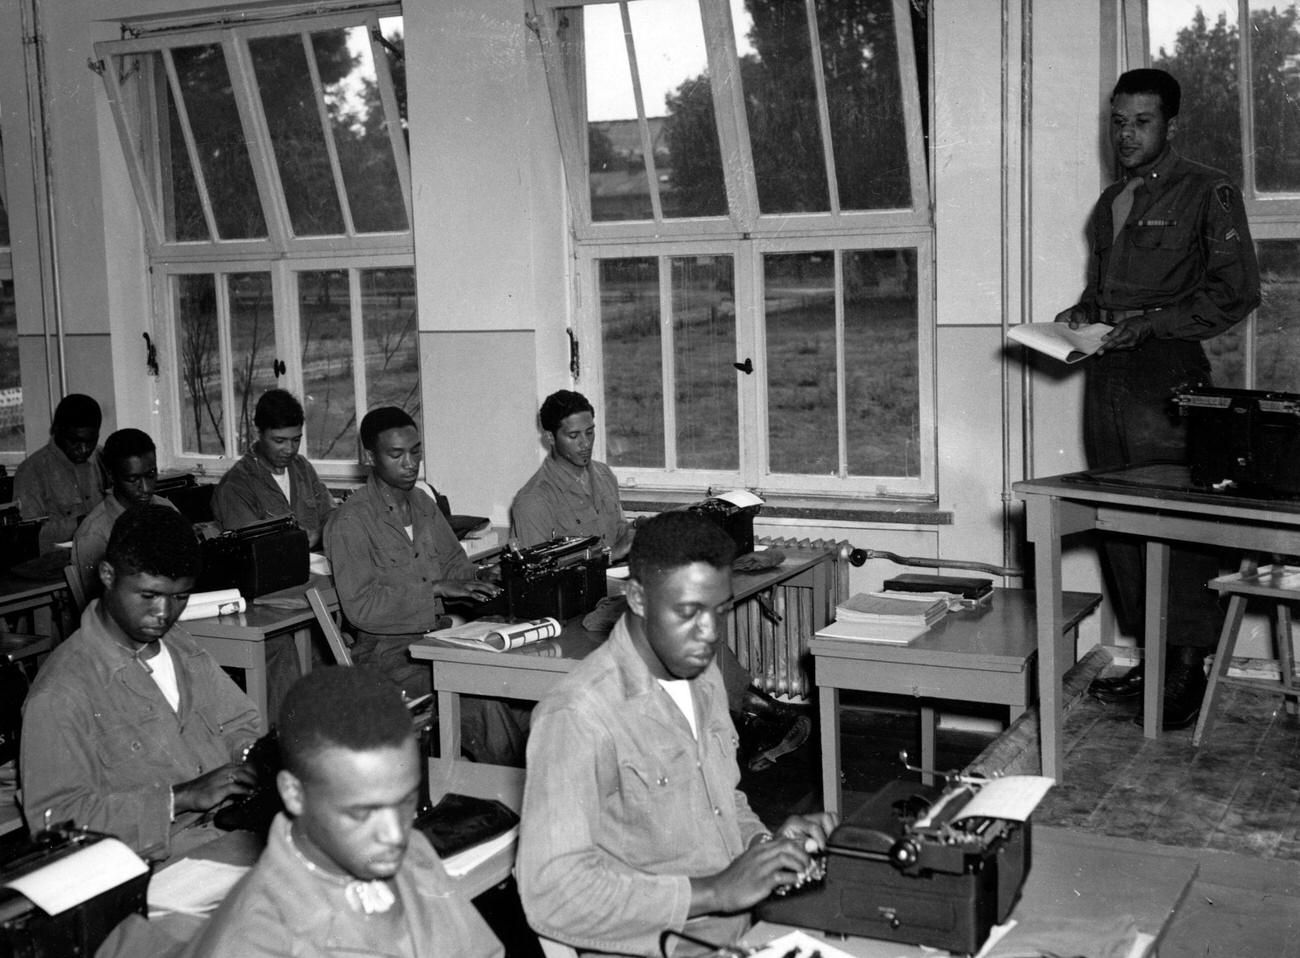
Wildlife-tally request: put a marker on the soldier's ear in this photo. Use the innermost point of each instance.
(1171, 128)
(290, 788)
(106, 574)
(635, 595)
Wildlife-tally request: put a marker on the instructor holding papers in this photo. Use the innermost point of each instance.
(1171, 264)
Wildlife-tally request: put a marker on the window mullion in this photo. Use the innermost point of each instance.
(910, 83)
(152, 216)
(823, 110)
(567, 101)
(229, 432)
(358, 343)
(753, 391)
(667, 361)
(331, 148)
(729, 111)
(643, 125)
(393, 115)
(191, 147)
(841, 372)
(261, 152)
(288, 342)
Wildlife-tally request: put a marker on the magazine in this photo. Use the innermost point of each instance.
(1059, 341)
(497, 636)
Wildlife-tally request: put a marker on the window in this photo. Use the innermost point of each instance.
(1202, 45)
(12, 437)
(750, 205)
(270, 164)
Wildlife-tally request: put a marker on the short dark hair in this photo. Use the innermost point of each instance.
(126, 444)
(77, 411)
(381, 420)
(278, 409)
(670, 540)
(155, 540)
(1157, 83)
(560, 405)
(349, 707)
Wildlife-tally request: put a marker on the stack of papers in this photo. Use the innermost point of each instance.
(892, 609)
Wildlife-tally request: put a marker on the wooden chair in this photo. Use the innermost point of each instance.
(76, 587)
(1279, 583)
(321, 603)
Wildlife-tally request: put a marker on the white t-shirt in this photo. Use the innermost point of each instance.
(679, 690)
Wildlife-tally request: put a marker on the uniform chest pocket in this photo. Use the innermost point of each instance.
(1150, 237)
(136, 744)
(655, 788)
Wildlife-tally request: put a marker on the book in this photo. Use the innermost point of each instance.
(497, 636)
(888, 633)
(1059, 341)
(922, 609)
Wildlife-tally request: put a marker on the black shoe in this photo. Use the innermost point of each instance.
(759, 705)
(1118, 689)
(793, 736)
(1184, 689)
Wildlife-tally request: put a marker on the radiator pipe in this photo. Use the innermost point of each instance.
(859, 556)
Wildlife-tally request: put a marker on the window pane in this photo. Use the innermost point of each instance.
(616, 160)
(864, 99)
(781, 105)
(289, 100)
(201, 403)
(1196, 41)
(11, 388)
(799, 312)
(882, 387)
(1277, 321)
(4, 202)
(391, 340)
(675, 88)
(329, 399)
(252, 345)
(1274, 51)
(172, 175)
(223, 156)
(704, 350)
(356, 114)
(633, 366)
(395, 54)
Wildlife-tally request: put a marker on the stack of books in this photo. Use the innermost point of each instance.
(884, 618)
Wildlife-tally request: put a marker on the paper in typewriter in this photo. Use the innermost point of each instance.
(497, 636)
(1011, 797)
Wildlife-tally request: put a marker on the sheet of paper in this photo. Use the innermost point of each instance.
(1059, 341)
(1011, 797)
(192, 886)
(800, 944)
(318, 564)
(79, 877)
(462, 863)
(740, 498)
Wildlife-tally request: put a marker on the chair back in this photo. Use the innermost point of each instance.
(75, 586)
(320, 606)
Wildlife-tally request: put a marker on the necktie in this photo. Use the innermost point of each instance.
(1123, 204)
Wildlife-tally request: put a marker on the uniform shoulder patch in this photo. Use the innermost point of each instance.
(1223, 193)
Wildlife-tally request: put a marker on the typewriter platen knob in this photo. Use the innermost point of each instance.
(904, 854)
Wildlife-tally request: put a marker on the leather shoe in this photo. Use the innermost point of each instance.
(1119, 688)
(1184, 688)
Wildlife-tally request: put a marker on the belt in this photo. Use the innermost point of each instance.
(1113, 317)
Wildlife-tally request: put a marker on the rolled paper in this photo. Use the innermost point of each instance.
(206, 610)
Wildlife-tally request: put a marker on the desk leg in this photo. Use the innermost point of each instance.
(255, 683)
(828, 702)
(302, 642)
(929, 723)
(448, 725)
(1044, 530)
(1156, 629)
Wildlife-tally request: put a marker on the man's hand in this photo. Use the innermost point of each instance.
(1076, 316)
(757, 872)
(811, 831)
(472, 589)
(208, 791)
(1128, 334)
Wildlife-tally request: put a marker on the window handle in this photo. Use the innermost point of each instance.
(747, 367)
(277, 368)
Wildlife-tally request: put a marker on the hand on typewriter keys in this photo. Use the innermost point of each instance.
(211, 789)
(472, 589)
(770, 863)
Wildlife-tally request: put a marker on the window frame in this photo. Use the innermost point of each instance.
(745, 234)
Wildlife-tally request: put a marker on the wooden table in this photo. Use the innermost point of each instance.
(238, 640)
(1156, 503)
(528, 674)
(981, 655)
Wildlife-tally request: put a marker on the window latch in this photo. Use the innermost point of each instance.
(277, 367)
(747, 367)
(150, 355)
(575, 357)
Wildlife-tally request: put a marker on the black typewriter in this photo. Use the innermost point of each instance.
(260, 558)
(562, 578)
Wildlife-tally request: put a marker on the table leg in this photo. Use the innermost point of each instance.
(1155, 631)
(1044, 530)
(448, 724)
(255, 685)
(302, 641)
(828, 700)
(929, 722)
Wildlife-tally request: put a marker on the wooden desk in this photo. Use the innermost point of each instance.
(1158, 504)
(981, 655)
(21, 599)
(529, 673)
(238, 641)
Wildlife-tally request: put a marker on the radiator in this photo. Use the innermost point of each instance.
(769, 631)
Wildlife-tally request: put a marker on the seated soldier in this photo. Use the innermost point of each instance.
(343, 871)
(637, 825)
(64, 479)
(395, 561)
(132, 463)
(272, 479)
(130, 727)
(575, 495)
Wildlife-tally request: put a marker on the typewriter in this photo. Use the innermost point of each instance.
(918, 864)
(562, 578)
(734, 511)
(28, 931)
(191, 498)
(264, 557)
(1242, 440)
(19, 537)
